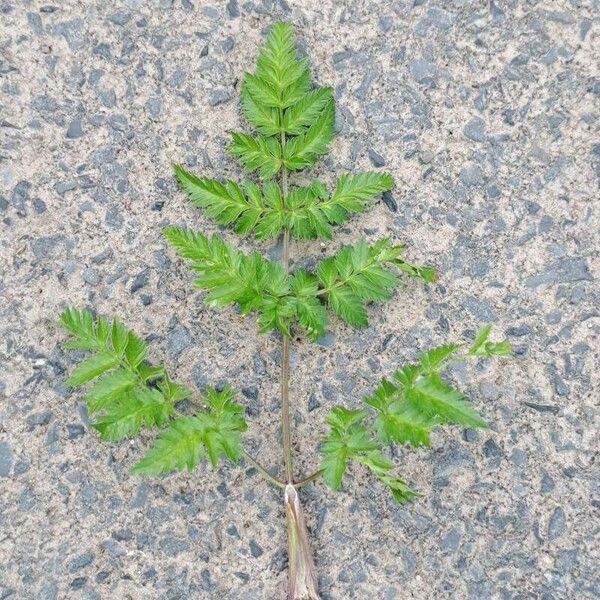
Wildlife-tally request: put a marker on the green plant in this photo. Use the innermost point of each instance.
(294, 125)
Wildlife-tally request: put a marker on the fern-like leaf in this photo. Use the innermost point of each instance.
(216, 431)
(110, 388)
(228, 274)
(353, 192)
(219, 265)
(273, 220)
(251, 281)
(141, 407)
(132, 393)
(177, 448)
(303, 150)
(357, 274)
(406, 412)
(421, 399)
(261, 154)
(224, 202)
(259, 102)
(349, 439)
(298, 117)
(135, 394)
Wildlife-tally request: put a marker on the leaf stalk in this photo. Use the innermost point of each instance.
(309, 479)
(263, 471)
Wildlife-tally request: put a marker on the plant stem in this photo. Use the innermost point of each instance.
(301, 565)
(285, 344)
(308, 479)
(285, 396)
(263, 471)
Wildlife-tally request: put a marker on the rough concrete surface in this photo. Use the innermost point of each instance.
(486, 113)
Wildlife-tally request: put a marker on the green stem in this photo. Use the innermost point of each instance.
(263, 471)
(285, 345)
(308, 479)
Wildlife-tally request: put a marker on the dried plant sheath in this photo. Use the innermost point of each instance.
(302, 572)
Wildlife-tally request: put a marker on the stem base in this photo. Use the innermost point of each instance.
(302, 573)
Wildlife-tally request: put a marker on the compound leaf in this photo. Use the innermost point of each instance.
(406, 411)
(302, 150)
(303, 113)
(259, 100)
(251, 281)
(431, 395)
(342, 419)
(333, 460)
(357, 274)
(136, 394)
(92, 367)
(222, 425)
(177, 448)
(110, 388)
(353, 192)
(261, 154)
(219, 266)
(427, 274)
(141, 407)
